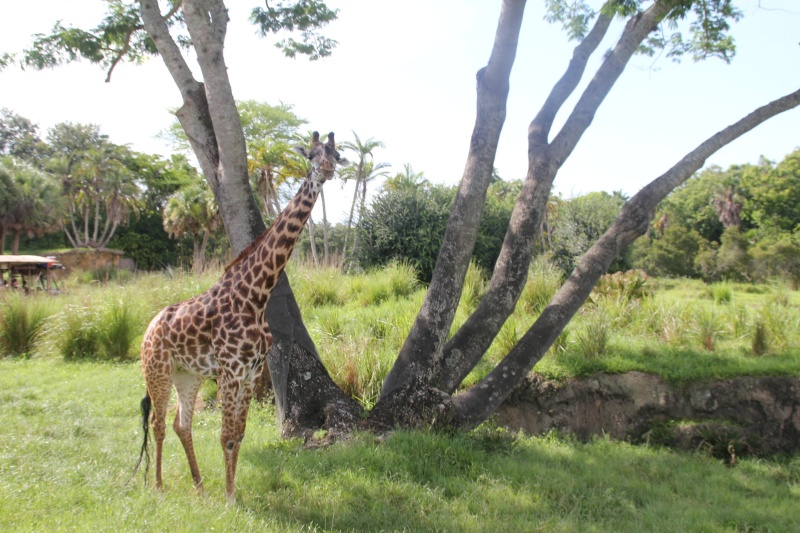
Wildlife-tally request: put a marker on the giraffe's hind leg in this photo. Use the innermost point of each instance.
(187, 386)
(159, 390)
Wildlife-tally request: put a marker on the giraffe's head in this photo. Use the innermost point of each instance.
(323, 157)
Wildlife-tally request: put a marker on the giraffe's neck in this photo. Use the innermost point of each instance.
(260, 267)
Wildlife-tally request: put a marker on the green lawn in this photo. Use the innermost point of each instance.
(71, 434)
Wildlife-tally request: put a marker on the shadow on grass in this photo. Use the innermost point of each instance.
(424, 481)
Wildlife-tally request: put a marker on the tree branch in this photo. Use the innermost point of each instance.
(468, 345)
(477, 403)
(118, 57)
(156, 27)
(539, 128)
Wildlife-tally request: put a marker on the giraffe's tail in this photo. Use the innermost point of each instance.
(146, 427)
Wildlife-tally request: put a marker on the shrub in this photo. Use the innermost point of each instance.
(673, 254)
(626, 286)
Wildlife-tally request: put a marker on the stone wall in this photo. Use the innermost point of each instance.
(88, 259)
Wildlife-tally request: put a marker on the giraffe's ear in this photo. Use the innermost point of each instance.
(302, 150)
(342, 161)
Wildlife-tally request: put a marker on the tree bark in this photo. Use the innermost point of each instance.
(421, 351)
(479, 401)
(211, 122)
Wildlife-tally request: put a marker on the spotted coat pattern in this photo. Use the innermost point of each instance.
(223, 333)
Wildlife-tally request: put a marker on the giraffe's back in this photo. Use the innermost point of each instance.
(181, 338)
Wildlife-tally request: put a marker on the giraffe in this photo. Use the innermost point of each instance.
(222, 333)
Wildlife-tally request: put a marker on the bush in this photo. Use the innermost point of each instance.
(673, 254)
(408, 225)
(777, 257)
(626, 286)
(579, 222)
(405, 225)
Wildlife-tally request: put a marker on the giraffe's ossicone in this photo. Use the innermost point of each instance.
(222, 333)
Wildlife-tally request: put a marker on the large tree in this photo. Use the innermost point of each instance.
(430, 367)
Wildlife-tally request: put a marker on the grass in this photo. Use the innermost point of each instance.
(673, 328)
(76, 434)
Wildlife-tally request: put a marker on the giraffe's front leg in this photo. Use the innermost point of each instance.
(236, 396)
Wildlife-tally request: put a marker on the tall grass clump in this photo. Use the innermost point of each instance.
(780, 323)
(403, 279)
(721, 292)
(107, 330)
(22, 321)
(323, 288)
(544, 279)
(592, 339)
(474, 287)
(668, 320)
(76, 332)
(120, 327)
(707, 327)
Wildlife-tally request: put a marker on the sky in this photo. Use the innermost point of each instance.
(404, 73)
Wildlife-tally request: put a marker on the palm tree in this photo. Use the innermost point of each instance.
(33, 203)
(407, 180)
(356, 172)
(372, 171)
(193, 211)
(100, 191)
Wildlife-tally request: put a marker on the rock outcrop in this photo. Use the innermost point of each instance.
(758, 415)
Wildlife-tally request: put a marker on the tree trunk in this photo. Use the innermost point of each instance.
(352, 211)
(420, 353)
(313, 242)
(325, 249)
(211, 122)
(15, 241)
